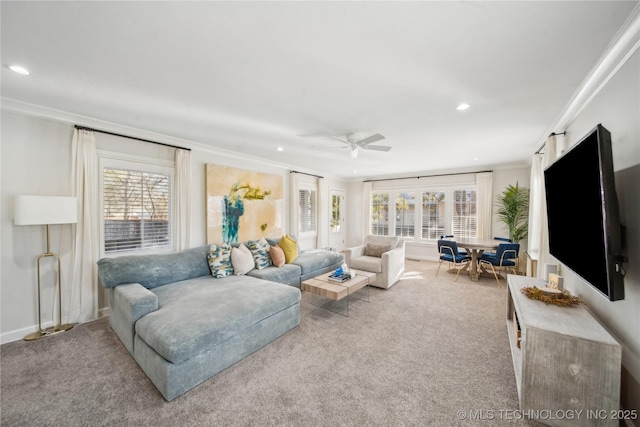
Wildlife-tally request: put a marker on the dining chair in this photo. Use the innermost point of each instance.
(451, 236)
(448, 250)
(506, 257)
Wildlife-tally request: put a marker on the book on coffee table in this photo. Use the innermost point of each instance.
(341, 278)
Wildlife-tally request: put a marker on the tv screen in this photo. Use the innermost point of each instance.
(582, 212)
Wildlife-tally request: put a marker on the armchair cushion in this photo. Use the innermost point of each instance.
(367, 263)
(376, 250)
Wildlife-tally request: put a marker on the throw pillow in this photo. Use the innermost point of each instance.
(375, 250)
(290, 248)
(242, 260)
(260, 251)
(277, 256)
(219, 258)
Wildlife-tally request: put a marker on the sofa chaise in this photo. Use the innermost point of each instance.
(182, 325)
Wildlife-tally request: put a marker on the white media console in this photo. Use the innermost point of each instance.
(565, 362)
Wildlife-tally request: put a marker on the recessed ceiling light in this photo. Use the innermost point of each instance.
(475, 158)
(280, 149)
(19, 69)
(462, 106)
(355, 171)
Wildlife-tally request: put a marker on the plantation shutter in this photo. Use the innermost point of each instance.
(308, 210)
(137, 208)
(464, 218)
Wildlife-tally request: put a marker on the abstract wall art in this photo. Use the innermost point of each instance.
(242, 205)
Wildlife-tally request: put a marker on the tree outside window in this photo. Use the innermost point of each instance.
(380, 214)
(405, 214)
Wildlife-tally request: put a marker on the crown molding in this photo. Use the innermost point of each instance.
(624, 44)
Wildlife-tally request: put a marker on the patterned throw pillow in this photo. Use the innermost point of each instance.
(219, 258)
(290, 248)
(260, 251)
(277, 256)
(242, 260)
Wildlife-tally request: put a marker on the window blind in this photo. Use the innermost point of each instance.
(136, 210)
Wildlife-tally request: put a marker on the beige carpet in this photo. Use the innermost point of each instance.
(416, 354)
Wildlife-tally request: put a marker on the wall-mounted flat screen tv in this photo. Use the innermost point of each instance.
(582, 210)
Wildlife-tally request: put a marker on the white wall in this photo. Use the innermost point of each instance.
(36, 159)
(427, 251)
(617, 108)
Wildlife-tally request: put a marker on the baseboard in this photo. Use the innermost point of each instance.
(19, 334)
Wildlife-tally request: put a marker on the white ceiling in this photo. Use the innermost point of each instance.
(253, 76)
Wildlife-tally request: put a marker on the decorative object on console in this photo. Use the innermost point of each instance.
(547, 269)
(560, 298)
(47, 210)
(242, 204)
(556, 282)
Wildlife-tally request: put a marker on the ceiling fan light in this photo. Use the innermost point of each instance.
(354, 153)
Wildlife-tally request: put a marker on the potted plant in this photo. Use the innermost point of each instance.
(513, 209)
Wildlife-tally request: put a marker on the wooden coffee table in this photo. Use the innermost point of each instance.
(322, 286)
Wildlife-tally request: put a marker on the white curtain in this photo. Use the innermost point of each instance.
(484, 193)
(538, 233)
(367, 188)
(323, 214)
(83, 294)
(294, 221)
(183, 199)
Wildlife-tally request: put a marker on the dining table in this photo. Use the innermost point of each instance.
(475, 248)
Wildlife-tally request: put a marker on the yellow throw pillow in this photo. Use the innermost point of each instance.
(290, 248)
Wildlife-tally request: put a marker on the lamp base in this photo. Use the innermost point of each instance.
(49, 331)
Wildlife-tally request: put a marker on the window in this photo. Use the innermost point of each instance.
(308, 211)
(405, 214)
(136, 206)
(433, 214)
(335, 213)
(446, 209)
(464, 218)
(380, 214)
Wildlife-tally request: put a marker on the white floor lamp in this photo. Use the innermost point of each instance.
(46, 210)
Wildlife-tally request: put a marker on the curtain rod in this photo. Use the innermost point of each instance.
(424, 176)
(310, 174)
(129, 137)
(545, 143)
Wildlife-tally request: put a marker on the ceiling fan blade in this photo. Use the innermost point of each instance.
(376, 147)
(341, 140)
(372, 138)
(323, 148)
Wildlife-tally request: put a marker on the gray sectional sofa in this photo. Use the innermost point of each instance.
(182, 325)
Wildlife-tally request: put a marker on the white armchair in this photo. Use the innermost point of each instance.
(383, 255)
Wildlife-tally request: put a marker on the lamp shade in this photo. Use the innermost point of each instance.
(38, 210)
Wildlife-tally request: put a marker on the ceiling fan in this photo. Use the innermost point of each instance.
(354, 142)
